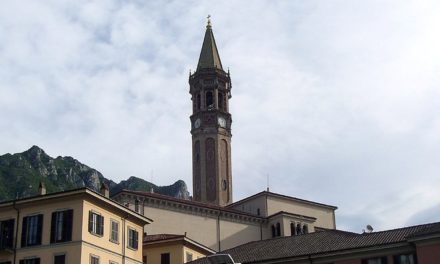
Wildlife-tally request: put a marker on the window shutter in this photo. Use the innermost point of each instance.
(53, 225)
(10, 234)
(135, 245)
(39, 229)
(24, 232)
(68, 220)
(101, 225)
(90, 221)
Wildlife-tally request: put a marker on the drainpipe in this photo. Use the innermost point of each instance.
(218, 230)
(16, 232)
(123, 238)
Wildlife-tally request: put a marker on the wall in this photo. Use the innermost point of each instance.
(428, 254)
(153, 253)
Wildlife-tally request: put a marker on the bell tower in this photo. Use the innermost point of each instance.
(210, 89)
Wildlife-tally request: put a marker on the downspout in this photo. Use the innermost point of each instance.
(123, 238)
(16, 232)
(218, 230)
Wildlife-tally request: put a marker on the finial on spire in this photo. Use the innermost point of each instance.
(209, 21)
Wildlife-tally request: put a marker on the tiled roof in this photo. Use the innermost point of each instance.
(320, 242)
(188, 202)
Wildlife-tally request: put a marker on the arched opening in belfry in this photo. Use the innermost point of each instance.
(221, 103)
(198, 102)
(209, 100)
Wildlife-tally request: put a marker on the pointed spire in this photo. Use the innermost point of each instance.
(209, 57)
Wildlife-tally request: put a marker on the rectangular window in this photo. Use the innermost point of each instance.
(380, 260)
(7, 233)
(165, 258)
(96, 223)
(114, 231)
(61, 226)
(189, 257)
(144, 259)
(59, 259)
(31, 230)
(405, 259)
(6, 262)
(94, 259)
(30, 261)
(132, 238)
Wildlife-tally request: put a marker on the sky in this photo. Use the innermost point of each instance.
(332, 101)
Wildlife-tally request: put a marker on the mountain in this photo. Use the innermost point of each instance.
(21, 173)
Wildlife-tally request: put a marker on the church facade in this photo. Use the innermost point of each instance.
(211, 218)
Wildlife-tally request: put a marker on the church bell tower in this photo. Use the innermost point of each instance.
(210, 89)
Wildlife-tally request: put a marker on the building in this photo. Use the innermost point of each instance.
(409, 245)
(212, 218)
(76, 226)
(179, 249)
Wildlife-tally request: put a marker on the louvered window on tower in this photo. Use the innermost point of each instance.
(61, 226)
(96, 223)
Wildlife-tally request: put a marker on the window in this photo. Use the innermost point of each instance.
(405, 259)
(31, 230)
(298, 229)
(292, 229)
(165, 258)
(6, 262)
(61, 226)
(380, 260)
(189, 257)
(278, 229)
(305, 229)
(274, 232)
(30, 261)
(6, 233)
(144, 259)
(258, 211)
(132, 238)
(209, 100)
(198, 102)
(220, 101)
(96, 223)
(59, 259)
(94, 259)
(114, 231)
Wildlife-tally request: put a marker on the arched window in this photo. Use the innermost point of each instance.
(305, 229)
(298, 229)
(278, 229)
(221, 103)
(292, 229)
(198, 102)
(209, 100)
(273, 231)
(258, 211)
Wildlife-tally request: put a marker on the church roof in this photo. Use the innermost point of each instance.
(209, 57)
(277, 195)
(324, 242)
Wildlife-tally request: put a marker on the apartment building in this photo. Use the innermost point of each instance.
(76, 226)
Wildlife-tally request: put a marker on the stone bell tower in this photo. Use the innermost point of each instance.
(210, 89)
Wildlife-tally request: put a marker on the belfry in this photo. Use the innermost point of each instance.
(210, 89)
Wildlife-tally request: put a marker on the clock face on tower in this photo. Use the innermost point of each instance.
(222, 121)
(197, 123)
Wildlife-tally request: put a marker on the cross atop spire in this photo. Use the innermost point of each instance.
(209, 57)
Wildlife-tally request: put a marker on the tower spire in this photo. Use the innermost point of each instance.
(209, 57)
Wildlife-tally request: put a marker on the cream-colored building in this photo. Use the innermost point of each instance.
(77, 226)
(258, 217)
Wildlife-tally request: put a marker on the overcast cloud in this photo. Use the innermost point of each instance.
(333, 101)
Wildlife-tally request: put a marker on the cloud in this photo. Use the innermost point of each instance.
(335, 102)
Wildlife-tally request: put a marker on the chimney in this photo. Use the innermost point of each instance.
(42, 188)
(104, 190)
